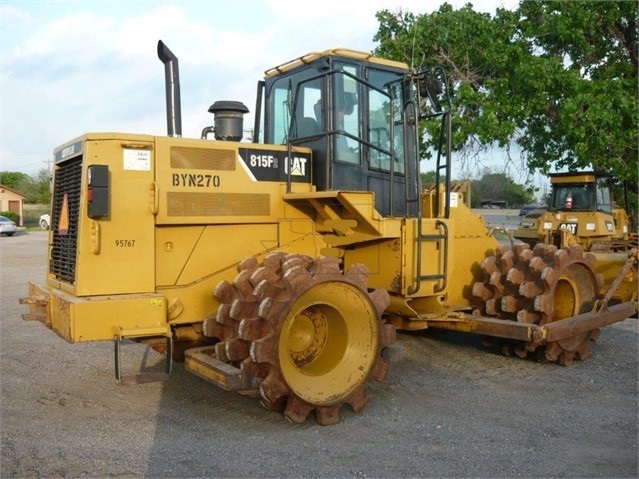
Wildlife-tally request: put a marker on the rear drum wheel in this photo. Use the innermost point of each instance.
(325, 351)
(309, 333)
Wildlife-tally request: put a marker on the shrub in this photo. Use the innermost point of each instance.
(10, 214)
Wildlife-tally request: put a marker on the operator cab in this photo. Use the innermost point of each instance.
(352, 110)
(580, 192)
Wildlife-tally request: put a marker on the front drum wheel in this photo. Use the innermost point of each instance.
(540, 286)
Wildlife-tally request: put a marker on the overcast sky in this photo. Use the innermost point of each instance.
(71, 67)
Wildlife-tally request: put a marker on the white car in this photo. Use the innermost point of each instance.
(7, 227)
(45, 221)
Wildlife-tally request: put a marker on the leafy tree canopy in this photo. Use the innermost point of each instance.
(428, 177)
(12, 179)
(500, 187)
(556, 80)
(37, 189)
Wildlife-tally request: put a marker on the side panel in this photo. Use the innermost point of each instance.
(115, 253)
(208, 182)
(187, 254)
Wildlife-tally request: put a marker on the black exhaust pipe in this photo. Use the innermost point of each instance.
(172, 86)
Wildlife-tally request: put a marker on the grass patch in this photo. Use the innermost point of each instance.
(31, 215)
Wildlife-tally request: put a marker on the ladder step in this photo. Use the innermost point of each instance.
(143, 377)
(430, 277)
(37, 300)
(43, 318)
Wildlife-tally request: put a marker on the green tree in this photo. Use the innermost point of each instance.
(554, 79)
(39, 187)
(428, 177)
(36, 188)
(13, 179)
(500, 187)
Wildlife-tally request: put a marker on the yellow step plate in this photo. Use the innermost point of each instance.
(202, 362)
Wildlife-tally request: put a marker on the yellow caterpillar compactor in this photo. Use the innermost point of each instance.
(581, 211)
(282, 267)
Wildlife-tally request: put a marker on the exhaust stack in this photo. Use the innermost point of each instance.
(172, 86)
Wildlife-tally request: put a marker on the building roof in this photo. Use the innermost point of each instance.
(3, 187)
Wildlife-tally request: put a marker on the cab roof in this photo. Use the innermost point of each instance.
(577, 177)
(334, 52)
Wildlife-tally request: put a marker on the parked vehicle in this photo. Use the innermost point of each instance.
(7, 226)
(527, 209)
(45, 221)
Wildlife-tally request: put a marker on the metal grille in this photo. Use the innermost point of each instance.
(203, 158)
(68, 181)
(218, 204)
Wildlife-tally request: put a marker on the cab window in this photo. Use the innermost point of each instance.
(379, 132)
(604, 202)
(305, 98)
(346, 115)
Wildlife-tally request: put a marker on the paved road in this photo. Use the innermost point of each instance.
(450, 409)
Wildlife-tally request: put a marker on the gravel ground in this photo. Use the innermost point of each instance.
(449, 409)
